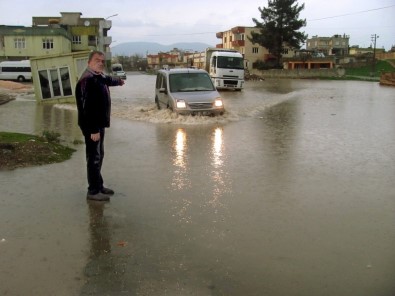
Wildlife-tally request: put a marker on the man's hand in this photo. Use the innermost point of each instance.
(121, 82)
(95, 137)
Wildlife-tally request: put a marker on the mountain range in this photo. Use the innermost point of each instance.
(144, 48)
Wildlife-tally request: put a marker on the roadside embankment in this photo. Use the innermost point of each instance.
(10, 89)
(299, 73)
(387, 78)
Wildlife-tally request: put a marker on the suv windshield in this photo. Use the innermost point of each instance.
(182, 82)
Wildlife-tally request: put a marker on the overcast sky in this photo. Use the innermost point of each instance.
(171, 21)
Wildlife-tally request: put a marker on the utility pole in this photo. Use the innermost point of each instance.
(374, 38)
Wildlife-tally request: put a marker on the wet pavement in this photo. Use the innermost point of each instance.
(289, 193)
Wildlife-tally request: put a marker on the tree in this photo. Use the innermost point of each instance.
(280, 26)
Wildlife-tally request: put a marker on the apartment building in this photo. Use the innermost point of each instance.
(237, 38)
(58, 47)
(55, 35)
(21, 43)
(336, 45)
(86, 33)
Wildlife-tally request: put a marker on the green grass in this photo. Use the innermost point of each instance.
(381, 66)
(22, 150)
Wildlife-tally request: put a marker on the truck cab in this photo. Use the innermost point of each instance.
(226, 68)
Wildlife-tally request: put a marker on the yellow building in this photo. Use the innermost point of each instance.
(58, 49)
(22, 43)
(238, 38)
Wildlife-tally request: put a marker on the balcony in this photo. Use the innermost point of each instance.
(238, 43)
(106, 24)
(238, 30)
(220, 35)
(107, 40)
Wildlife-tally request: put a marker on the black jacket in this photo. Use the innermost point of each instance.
(93, 101)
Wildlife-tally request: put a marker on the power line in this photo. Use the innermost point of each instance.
(352, 13)
(180, 34)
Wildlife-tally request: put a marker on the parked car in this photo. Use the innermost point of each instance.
(187, 91)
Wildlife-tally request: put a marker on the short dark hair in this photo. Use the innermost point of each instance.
(93, 52)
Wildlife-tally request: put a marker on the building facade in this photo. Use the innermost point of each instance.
(49, 36)
(337, 45)
(238, 38)
(58, 48)
(21, 43)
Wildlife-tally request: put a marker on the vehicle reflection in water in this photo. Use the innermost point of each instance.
(180, 178)
(212, 182)
(217, 162)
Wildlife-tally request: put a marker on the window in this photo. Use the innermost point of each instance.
(92, 41)
(47, 43)
(230, 63)
(55, 83)
(255, 49)
(19, 43)
(77, 40)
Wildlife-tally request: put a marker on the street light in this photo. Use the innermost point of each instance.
(111, 16)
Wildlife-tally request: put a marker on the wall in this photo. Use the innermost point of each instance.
(298, 73)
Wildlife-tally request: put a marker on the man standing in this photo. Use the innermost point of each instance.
(94, 107)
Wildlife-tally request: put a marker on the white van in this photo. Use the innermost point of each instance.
(15, 70)
(187, 91)
(118, 71)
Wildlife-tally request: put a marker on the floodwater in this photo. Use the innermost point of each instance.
(291, 192)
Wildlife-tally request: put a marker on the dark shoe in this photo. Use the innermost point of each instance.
(107, 191)
(98, 197)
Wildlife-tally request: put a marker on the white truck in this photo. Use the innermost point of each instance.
(225, 67)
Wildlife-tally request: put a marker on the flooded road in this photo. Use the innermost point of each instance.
(289, 193)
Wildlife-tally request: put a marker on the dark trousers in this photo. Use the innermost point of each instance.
(94, 160)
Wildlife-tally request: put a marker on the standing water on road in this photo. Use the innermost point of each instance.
(289, 193)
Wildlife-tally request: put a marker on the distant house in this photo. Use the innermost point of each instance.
(336, 45)
(305, 59)
(356, 50)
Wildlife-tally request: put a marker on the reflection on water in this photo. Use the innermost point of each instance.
(217, 162)
(211, 185)
(99, 265)
(57, 118)
(104, 269)
(217, 148)
(180, 178)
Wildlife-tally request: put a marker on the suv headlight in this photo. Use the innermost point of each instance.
(218, 102)
(181, 104)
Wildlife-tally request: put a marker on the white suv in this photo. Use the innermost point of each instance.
(187, 91)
